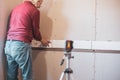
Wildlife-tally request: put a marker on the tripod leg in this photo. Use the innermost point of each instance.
(62, 76)
(67, 76)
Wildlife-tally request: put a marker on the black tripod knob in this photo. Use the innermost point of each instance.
(68, 70)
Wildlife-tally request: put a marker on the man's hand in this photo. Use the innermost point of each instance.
(45, 42)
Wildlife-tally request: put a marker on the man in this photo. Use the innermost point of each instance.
(23, 27)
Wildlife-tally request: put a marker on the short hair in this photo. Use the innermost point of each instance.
(34, 1)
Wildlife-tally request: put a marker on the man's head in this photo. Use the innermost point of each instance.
(37, 3)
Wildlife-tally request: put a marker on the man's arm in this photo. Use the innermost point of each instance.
(36, 23)
(36, 32)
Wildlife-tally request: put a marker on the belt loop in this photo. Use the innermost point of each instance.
(10, 40)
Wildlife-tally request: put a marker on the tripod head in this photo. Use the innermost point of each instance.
(69, 45)
(68, 49)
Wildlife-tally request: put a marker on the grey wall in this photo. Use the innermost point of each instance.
(76, 20)
(80, 19)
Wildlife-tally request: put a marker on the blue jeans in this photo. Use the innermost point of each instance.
(18, 55)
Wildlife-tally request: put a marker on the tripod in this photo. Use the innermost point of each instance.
(68, 70)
